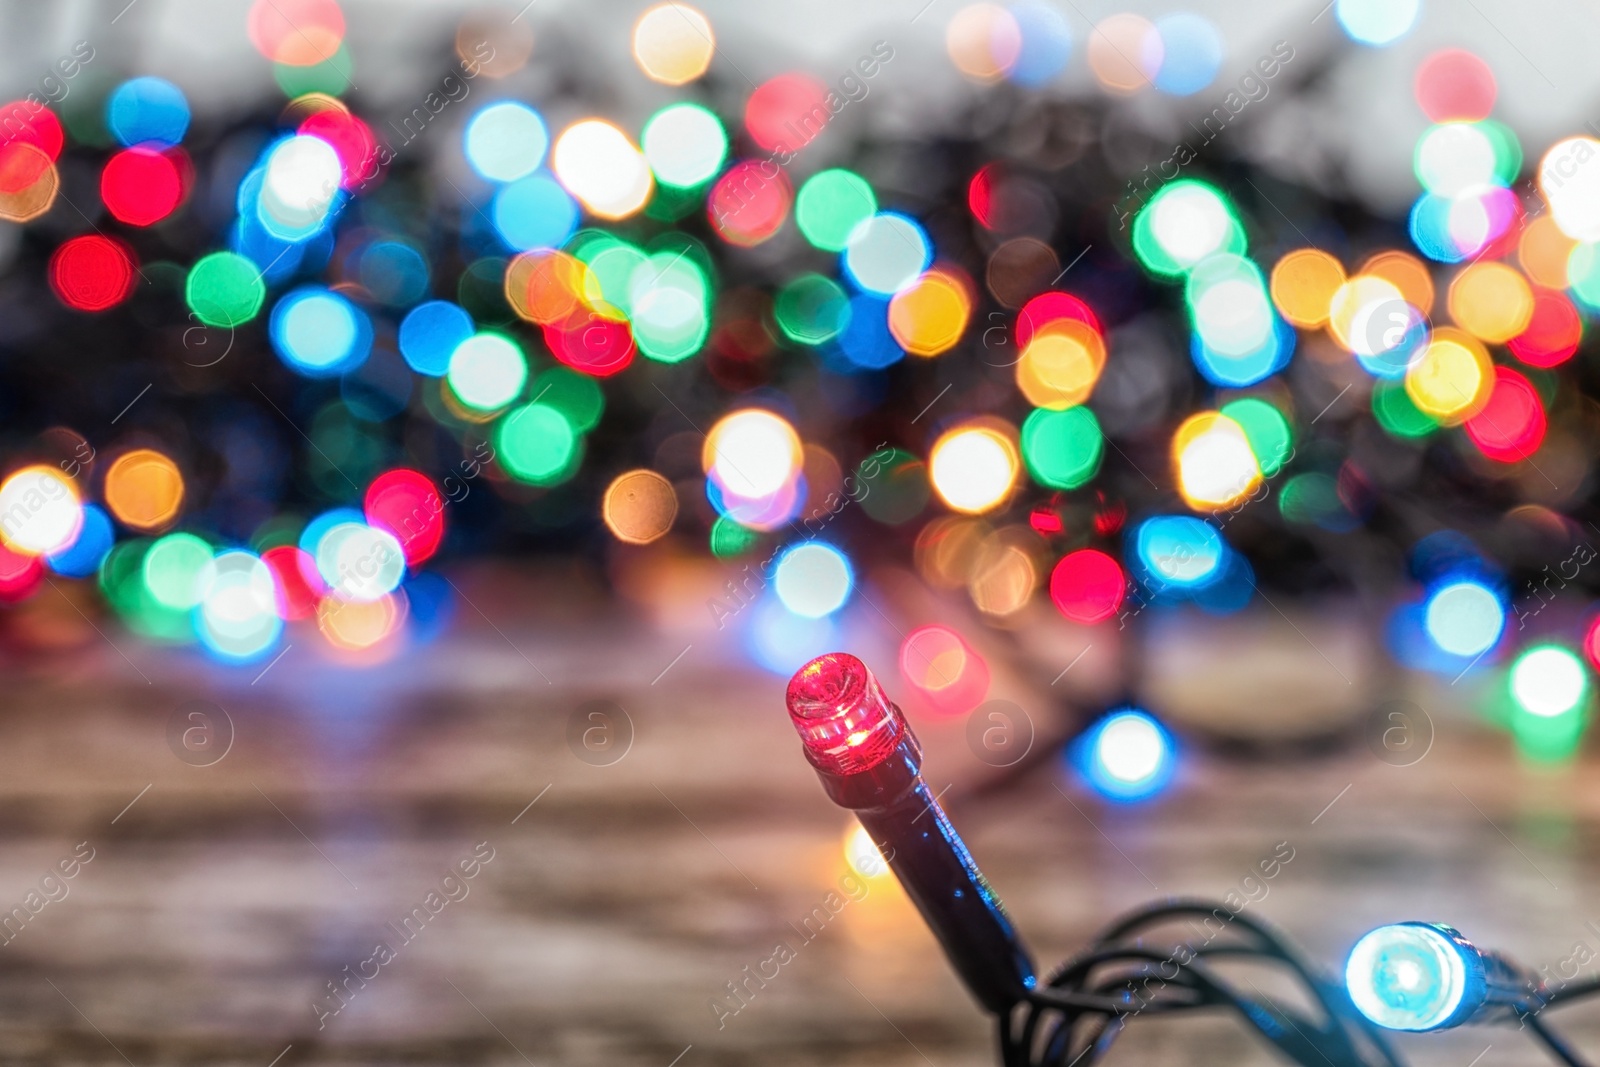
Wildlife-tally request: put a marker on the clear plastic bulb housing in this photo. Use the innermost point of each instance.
(845, 722)
(1415, 976)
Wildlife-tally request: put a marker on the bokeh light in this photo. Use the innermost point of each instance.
(1548, 680)
(1464, 618)
(1126, 756)
(40, 512)
(946, 672)
(673, 43)
(973, 468)
(1216, 466)
(887, 253)
(1087, 586)
(1376, 22)
(813, 579)
(639, 507)
(147, 111)
(684, 144)
(506, 141)
(144, 489)
(319, 333)
(91, 272)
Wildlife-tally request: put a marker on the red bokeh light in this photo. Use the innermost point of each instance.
(142, 186)
(1088, 586)
(748, 204)
(24, 123)
(1591, 643)
(845, 721)
(351, 138)
(980, 194)
(945, 671)
(1511, 426)
(19, 575)
(405, 503)
(1553, 332)
(594, 345)
(1454, 85)
(92, 273)
(786, 112)
(1052, 307)
(297, 33)
(21, 164)
(299, 585)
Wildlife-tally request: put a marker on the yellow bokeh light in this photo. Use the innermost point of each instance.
(144, 489)
(1125, 52)
(639, 506)
(752, 453)
(355, 625)
(40, 512)
(1406, 273)
(928, 316)
(28, 182)
(1452, 380)
(1543, 251)
(1002, 578)
(546, 286)
(973, 468)
(673, 43)
(1491, 301)
(983, 41)
(599, 165)
(1303, 284)
(1361, 311)
(862, 854)
(1061, 365)
(1217, 468)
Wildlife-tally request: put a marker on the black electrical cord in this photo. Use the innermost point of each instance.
(1075, 1015)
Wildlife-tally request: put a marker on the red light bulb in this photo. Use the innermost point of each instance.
(845, 722)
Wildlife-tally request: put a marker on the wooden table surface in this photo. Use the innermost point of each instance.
(220, 901)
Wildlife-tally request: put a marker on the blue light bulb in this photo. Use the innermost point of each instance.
(1415, 976)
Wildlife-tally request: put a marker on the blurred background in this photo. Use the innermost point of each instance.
(431, 434)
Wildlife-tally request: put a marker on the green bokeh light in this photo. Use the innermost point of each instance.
(1185, 223)
(729, 539)
(1062, 449)
(577, 396)
(225, 290)
(895, 486)
(536, 444)
(332, 76)
(812, 310)
(176, 571)
(1266, 429)
(830, 205)
(1395, 412)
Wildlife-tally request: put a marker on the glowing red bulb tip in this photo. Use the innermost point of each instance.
(844, 720)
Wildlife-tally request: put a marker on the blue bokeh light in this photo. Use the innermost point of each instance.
(1126, 756)
(1377, 22)
(506, 141)
(813, 579)
(147, 111)
(430, 333)
(1046, 43)
(95, 538)
(1464, 618)
(1192, 53)
(534, 212)
(394, 273)
(319, 333)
